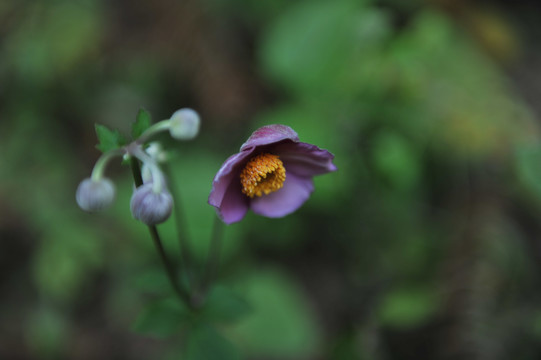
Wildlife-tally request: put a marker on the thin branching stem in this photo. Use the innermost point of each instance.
(182, 293)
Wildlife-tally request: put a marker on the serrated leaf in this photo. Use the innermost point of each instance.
(162, 318)
(108, 139)
(223, 305)
(205, 343)
(142, 122)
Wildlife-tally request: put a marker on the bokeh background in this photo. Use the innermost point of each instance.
(426, 244)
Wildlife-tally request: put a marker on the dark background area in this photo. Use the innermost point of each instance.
(425, 244)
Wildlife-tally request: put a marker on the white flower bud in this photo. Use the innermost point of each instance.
(151, 207)
(95, 195)
(184, 124)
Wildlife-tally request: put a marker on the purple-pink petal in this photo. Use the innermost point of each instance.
(270, 134)
(234, 205)
(305, 159)
(227, 174)
(290, 197)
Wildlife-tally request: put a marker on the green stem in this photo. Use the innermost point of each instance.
(182, 233)
(157, 176)
(136, 171)
(171, 274)
(154, 129)
(213, 258)
(99, 167)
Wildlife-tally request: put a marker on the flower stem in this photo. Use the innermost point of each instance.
(157, 176)
(154, 129)
(171, 274)
(213, 258)
(99, 167)
(136, 171)
(182, 233)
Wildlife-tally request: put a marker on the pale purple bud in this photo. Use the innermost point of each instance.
(95, 195)
(151, 207)
(184, 124)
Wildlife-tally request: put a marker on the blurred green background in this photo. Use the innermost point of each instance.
(424, 245)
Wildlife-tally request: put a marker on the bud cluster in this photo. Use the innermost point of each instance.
(151, 203)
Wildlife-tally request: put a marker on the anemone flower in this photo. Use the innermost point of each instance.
(271, 175)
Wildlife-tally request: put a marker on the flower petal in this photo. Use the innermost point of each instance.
(227, 174)
(296, 191)
(234, 204)
(304, 159)
(270, 134)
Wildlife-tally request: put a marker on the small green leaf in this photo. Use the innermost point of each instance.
(109, 139)
(409, 307)
(153, 281)
(142, 122)
(162, 318)
(223, 305)
(397, 160)
(205, 343)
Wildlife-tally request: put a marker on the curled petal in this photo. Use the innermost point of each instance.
(269, 135)
(234, 205)
(227, 174)
(306, 159)
(290, 197)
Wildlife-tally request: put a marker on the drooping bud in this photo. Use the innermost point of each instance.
(151, 207)
(95, 195)
(184, 124)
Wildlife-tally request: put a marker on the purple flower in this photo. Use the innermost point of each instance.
(272, 175)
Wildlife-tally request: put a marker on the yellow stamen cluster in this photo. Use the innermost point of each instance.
(263, 174)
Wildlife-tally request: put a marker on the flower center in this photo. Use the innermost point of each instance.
(263, 174)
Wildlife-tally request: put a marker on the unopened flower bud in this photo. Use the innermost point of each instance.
(151, 207)
(95, 195)
(184, 124)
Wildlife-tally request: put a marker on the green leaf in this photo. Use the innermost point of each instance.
(142, 122)
(109, 139)
(162, 318)
(205, 343)
(319, 47)
(528, 168)
(281, 324)
(223, 305)
(153, 281)
(396, 159)
(406, 308)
